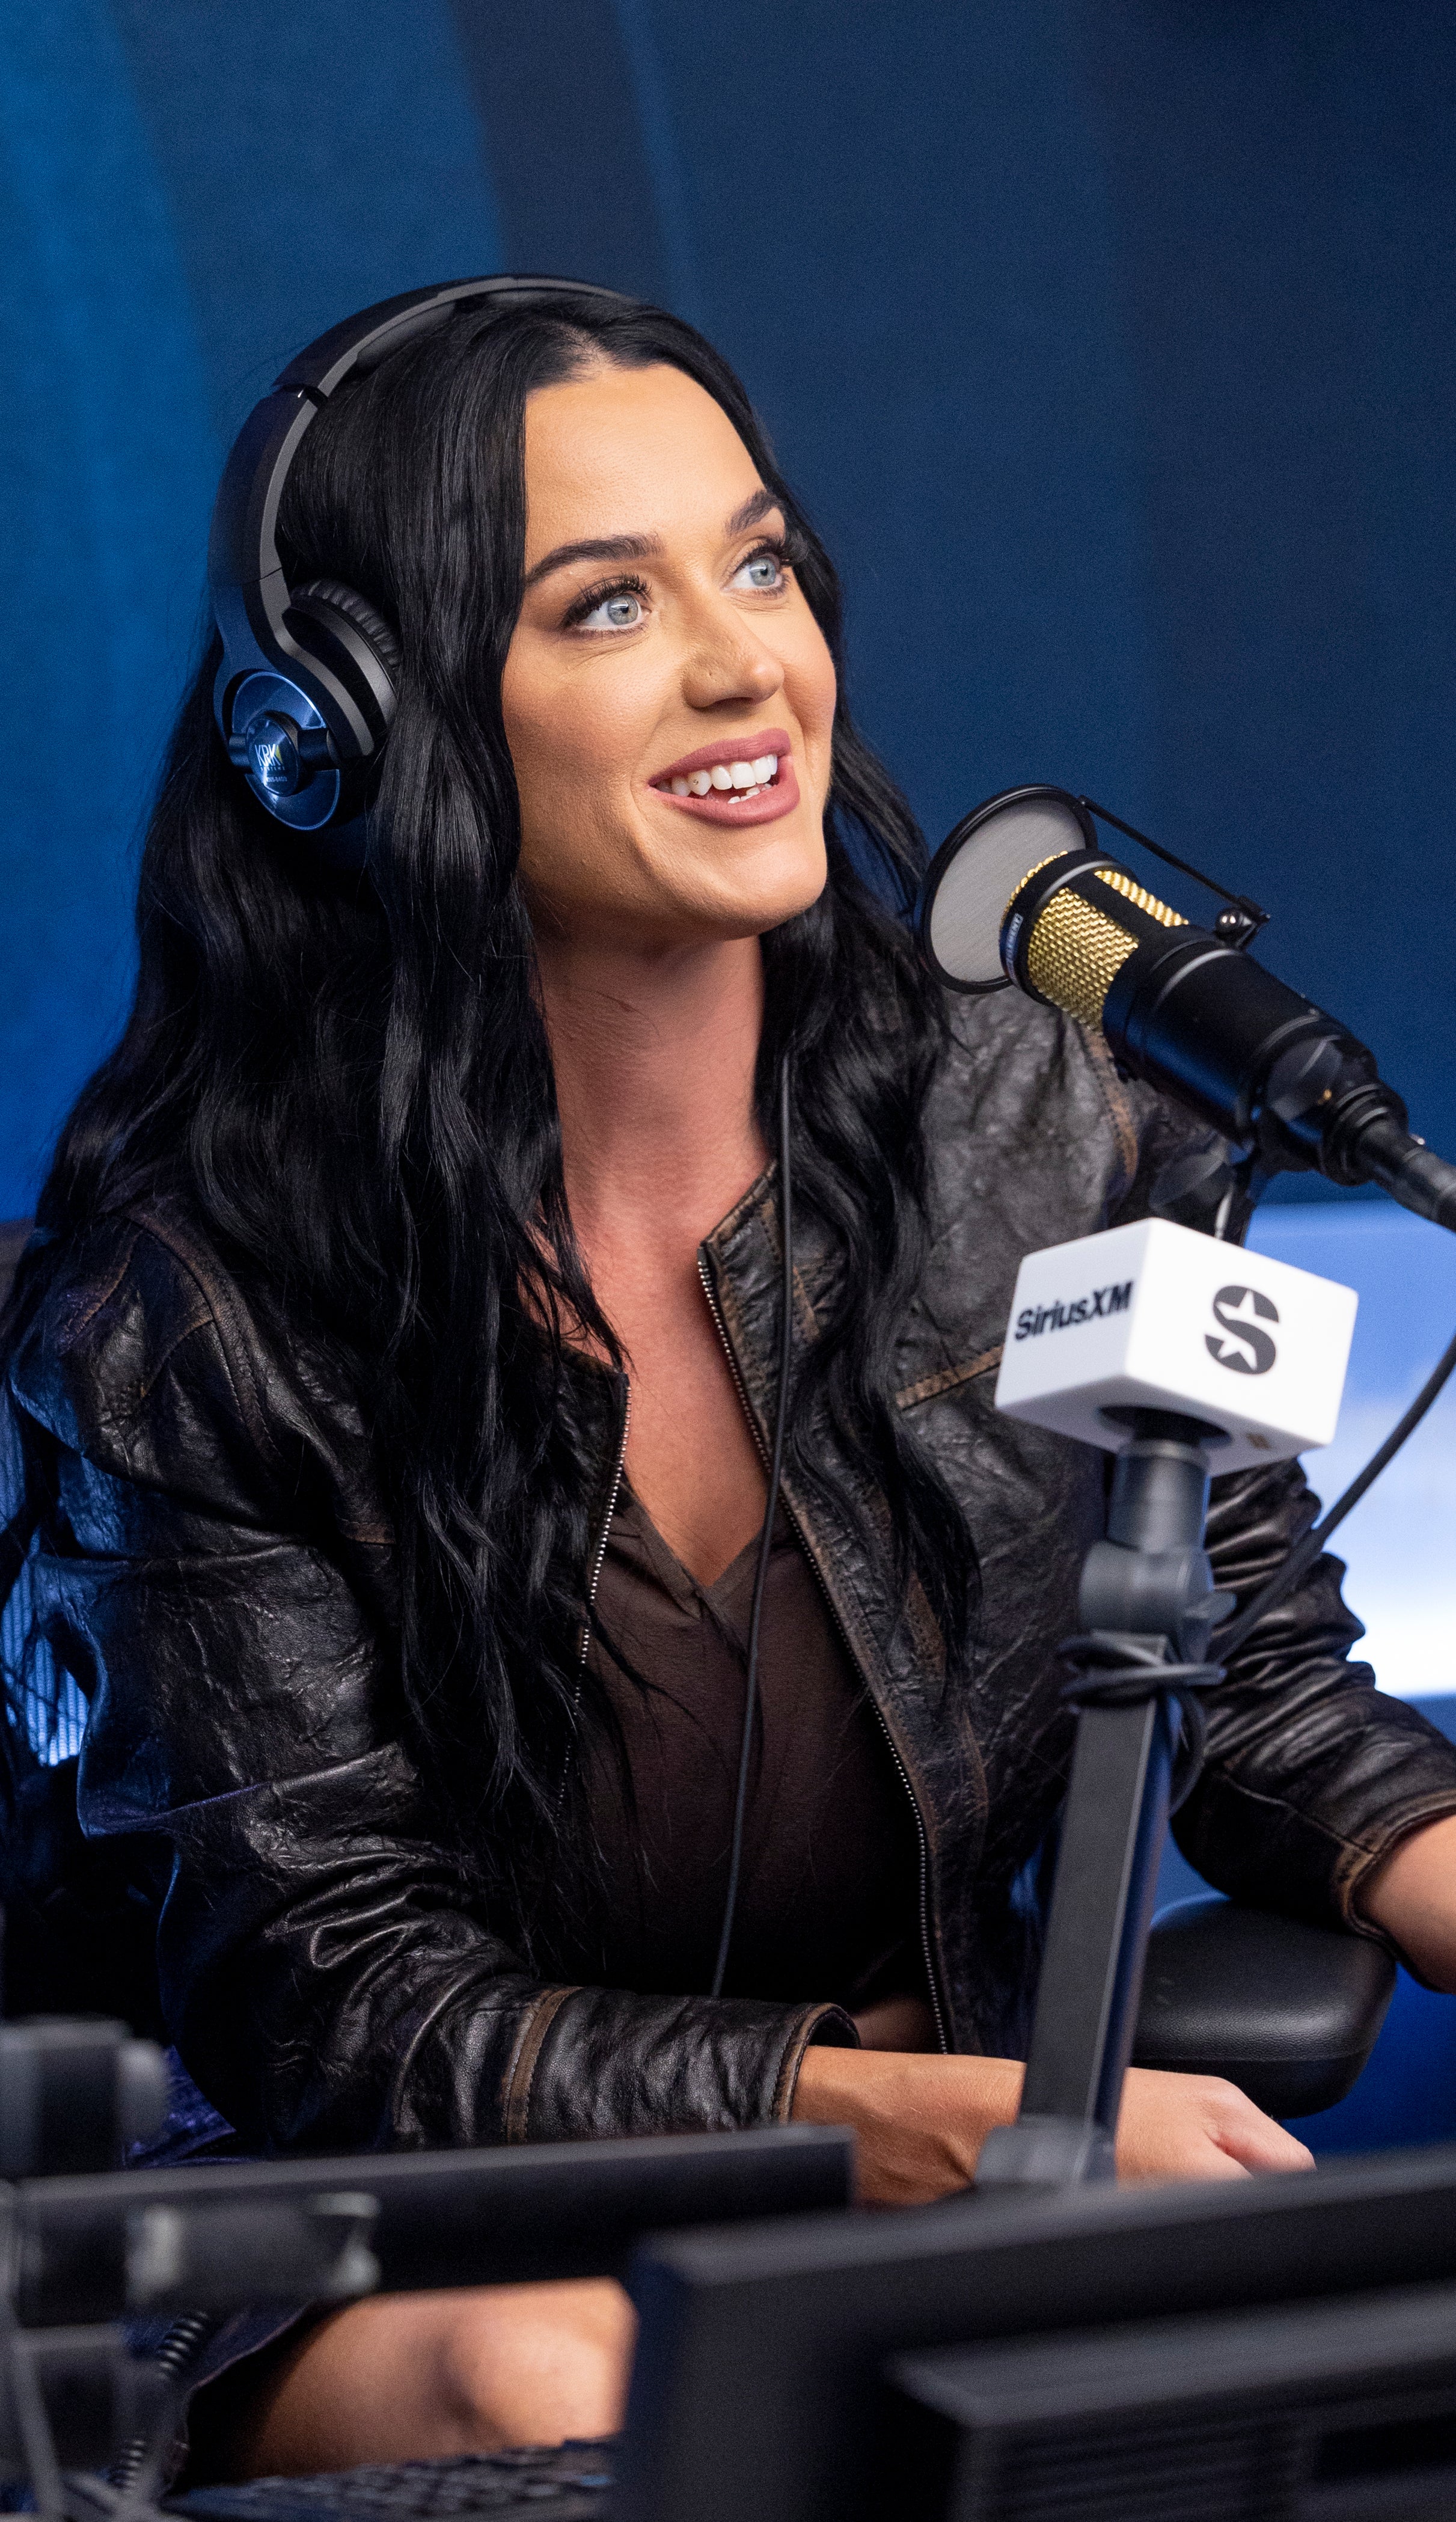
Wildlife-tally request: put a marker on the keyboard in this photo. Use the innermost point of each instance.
(567, 2482)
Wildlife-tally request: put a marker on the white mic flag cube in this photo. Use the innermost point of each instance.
(1155, 1317)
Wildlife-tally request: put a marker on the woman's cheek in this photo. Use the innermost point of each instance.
(813, 689)
(579, 852)
(558, 774)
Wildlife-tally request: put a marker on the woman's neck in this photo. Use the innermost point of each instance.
(654, 1056)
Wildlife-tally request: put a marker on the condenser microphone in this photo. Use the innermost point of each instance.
(1020, 893)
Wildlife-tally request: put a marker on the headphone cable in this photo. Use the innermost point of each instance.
(766, 1538)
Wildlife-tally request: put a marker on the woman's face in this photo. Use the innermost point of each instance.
(668, 695)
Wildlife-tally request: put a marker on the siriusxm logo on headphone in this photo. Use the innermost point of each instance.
(1246, 1349)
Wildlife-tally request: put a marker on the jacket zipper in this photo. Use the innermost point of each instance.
(592, 1582)
(880, 1718)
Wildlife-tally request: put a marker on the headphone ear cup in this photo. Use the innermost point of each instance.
(356, 637)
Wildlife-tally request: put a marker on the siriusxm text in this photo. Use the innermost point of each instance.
(1033, 1320)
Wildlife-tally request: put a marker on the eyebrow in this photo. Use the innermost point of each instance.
(759, 503)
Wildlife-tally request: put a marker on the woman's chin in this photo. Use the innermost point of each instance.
(767, 887)
(685, 897)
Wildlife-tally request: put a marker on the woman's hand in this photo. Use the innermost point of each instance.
(1198, 2127)
(922, 2122)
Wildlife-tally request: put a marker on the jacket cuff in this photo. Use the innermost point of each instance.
(604, 2062)
(824, 2027)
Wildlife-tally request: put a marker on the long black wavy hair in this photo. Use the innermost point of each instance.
(348, 1081)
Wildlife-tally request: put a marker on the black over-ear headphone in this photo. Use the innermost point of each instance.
(309, 678)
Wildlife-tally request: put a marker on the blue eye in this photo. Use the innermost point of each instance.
(764, 572)
(622, 610)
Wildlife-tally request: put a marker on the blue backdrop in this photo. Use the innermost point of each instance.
(1112, 347)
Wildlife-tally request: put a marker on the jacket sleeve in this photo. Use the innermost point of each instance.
(322, 1971)
(1313, 1775)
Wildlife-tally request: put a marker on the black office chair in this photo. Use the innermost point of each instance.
(1288, 2011)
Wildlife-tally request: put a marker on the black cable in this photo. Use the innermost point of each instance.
(1111, 1671)
(766, 1540)
(1227, 1642)
(174, 2358)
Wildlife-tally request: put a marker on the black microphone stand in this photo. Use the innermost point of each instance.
(1149, 1609)
(1149, 1605)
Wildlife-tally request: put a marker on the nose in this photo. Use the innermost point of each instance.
(727, 663)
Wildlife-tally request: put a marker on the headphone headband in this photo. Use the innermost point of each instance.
(308, 686)
(361, 341)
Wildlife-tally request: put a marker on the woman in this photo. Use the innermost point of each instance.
(407, 1300)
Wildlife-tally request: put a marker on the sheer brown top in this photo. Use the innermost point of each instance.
(827, 1897)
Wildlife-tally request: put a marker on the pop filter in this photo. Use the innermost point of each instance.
(977, 871)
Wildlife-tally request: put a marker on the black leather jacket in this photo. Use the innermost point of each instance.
(217, 1573)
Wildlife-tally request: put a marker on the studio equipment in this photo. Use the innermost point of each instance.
(74, 2095)
(1280, 2350)
(1182, 1355)
(1019, 894)
(1045, 2345)
(477, 2216)
(309, 680)
(84, 2247)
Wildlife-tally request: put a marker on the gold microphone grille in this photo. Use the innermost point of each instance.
(1075, 951)
(1148, 902)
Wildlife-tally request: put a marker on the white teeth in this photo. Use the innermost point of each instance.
(743, 779)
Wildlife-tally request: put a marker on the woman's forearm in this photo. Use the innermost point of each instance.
(1412, 1899)
(920, 2121)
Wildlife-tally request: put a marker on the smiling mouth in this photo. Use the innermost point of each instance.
(736, 783)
